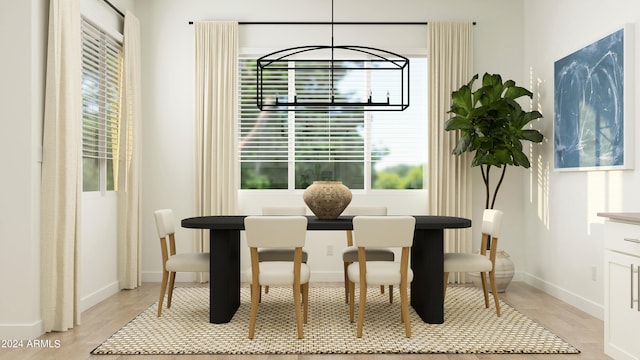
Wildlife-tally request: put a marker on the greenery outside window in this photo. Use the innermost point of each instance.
(101, 81)
(364, 150)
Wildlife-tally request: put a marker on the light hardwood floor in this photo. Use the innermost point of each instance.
(101, 321)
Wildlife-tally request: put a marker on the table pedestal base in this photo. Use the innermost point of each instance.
(224, 279)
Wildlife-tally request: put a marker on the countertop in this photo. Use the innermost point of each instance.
(621, 216)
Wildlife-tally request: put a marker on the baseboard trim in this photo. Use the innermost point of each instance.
(97, 296)
(21, 331)
(573, 299)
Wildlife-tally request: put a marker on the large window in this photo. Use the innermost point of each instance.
(364, 150)
(101, 77)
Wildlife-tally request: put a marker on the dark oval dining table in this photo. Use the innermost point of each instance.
(427, 287)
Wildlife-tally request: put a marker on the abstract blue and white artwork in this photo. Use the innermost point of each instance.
(589, 121)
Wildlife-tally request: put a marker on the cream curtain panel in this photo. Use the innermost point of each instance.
(216, 113)
(129, 159)
(61, 170)
(450, 66)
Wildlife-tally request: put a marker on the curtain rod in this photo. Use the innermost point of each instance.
(327, 23)
(114, 8)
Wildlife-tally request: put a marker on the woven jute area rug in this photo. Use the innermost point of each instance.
(469, 327)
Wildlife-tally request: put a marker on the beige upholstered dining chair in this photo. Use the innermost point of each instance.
(373, 232)
(281, 254)
(278, 232)
(172, 262)
(483, 262)
(350, 253)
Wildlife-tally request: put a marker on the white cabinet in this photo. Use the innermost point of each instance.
(622, 290)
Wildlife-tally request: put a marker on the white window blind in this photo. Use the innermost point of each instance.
(328, 136)
(404, 133)
(101, 77)
(264, 136)
(101, 82)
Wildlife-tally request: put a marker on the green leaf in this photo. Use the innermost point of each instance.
(532, 115)
(532, 135)
(477, 159)
(502, 157)
(463, 145)
(458, 123)
(458, 110)
(513, 106)
(461, 100)
(473, 79)
(491, 80)
(515, 92)
(521, 159)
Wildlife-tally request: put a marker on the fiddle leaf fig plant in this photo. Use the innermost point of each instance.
(492, 124)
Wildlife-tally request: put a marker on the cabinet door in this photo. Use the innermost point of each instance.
(622, 315)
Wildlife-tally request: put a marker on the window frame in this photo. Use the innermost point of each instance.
(367, 148)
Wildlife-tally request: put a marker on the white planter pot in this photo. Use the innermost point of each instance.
(504, 272)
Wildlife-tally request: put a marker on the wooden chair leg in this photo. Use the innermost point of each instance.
(296, 302)
(483, 279)
(346, 282)
(390, 294)
(172, 281)
(494, 290)
(404, 304)
(266, 289)
(446, 282)
(381, 289)
(305, 300)
(163, 288)
(255, 295)
(352, 295)
(363, 303)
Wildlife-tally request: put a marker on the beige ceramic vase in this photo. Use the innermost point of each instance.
(327, 199)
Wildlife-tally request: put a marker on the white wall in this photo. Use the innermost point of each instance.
(168, 96)
(563, 237)
(21, 94)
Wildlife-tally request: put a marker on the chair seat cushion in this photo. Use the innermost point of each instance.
(456, 262)
(280, 273)
(279, 255)
(350, 254)
(379, 273)
(192, 262)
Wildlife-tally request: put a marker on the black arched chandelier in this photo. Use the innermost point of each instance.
(332, 63)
